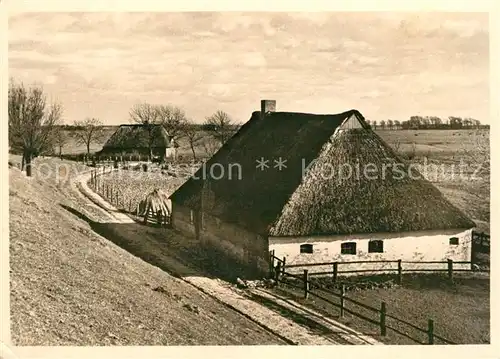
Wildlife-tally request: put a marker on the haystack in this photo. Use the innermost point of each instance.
(155, 206)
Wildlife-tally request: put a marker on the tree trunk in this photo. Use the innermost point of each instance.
(60, 152)
(88, 148)
(192, 149)
(23, 161)
(28, 165)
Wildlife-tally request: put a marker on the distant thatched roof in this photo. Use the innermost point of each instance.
(137, 136)
(292, 203)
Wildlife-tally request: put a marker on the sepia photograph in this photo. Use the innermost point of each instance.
(237, 178)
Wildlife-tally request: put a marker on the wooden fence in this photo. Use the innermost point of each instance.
(104, 159)
(381, 314)
(115, 196)
(112, 194)
(335, 270)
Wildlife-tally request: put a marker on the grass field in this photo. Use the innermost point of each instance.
(460, 310)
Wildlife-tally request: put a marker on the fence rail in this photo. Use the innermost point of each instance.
(116, 197)
(381, 314)
(332, 263)
(311, 289)
(399, 270)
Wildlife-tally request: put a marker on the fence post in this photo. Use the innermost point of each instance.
(283, 266)
(342, 295)
(450, 269)
(271, 263)
(306, 283)
(383, 311)
(277, 273)
(430, 331)
(335, 272)
(400, 272)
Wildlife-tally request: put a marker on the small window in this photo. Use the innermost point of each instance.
(306, 248)
(376, 246)
(191, 218)
(454, 241)
(348, 248)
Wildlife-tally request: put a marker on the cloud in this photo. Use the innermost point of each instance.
(386, 62)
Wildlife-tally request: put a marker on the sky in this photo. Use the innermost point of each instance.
(386, 65)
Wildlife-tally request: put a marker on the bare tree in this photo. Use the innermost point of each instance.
(173, 120)
(88, 131)
(193, 136)
(31, 122)
(147, 115)
(211, 145)
(221, 126)
(60, 138)
(143, 113)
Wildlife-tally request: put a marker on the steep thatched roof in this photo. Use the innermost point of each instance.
(295, 201)
(137, 136)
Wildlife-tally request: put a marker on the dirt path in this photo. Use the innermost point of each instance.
(300, 332)
(114, 216)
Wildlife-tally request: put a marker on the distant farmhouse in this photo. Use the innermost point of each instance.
(281, 183)
(137, 139)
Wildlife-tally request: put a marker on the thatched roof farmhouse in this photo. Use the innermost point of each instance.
(137, 139)
(338, 181)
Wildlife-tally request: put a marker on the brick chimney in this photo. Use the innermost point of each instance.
(267, 106)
